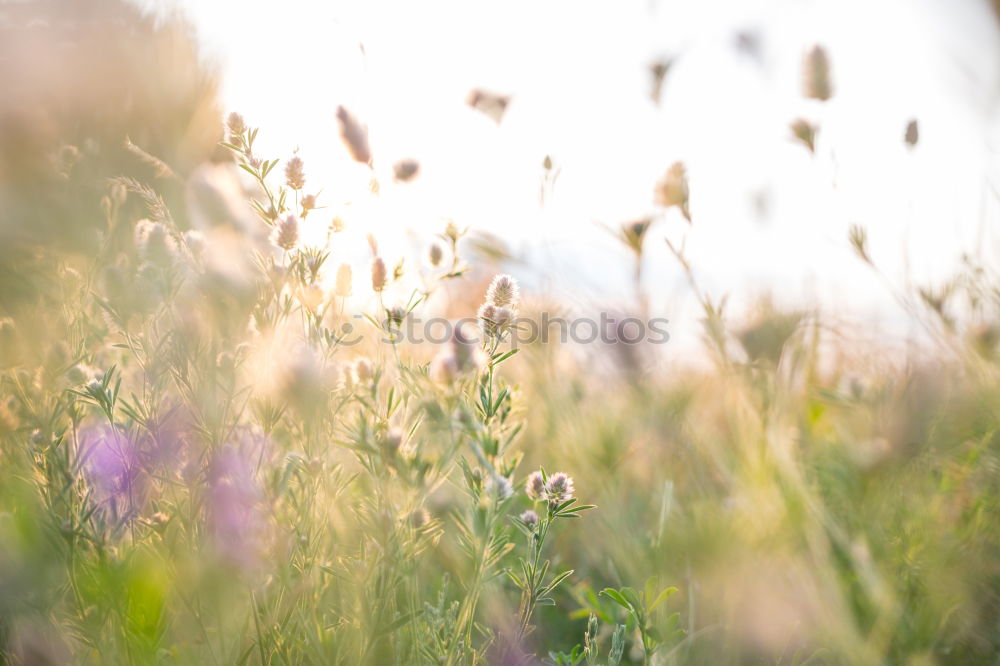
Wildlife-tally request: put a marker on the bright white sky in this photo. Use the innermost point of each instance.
(578, 73)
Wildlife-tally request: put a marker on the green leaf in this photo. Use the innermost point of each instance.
(663, 596)
(503, 357)
(555, 581)
(514, 579)
(632, 596)
(616, 597)
(398, 622)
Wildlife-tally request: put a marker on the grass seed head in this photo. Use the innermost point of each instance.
(379, 274)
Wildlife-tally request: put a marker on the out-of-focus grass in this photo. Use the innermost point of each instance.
(195, 467)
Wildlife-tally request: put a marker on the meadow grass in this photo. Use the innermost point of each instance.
(200, 464)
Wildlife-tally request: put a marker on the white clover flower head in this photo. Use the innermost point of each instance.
(559, 488)
(530, 519)
(535, 486)
(379, 274)
(286, 232)
(499, 487)
(503, 292)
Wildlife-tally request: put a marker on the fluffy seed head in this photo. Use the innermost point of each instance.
(195, 242)
(499, 487)
(394, 316)
(495, 320)
(559, 488)
(235, 123)
(405, 170)
(286, 232)
(418, 518)
(805, 132)
(535, 486)
(912, 133)
(295, 174)
(311, 296)
(530, 518)
(672, 189)
(379, 274)
(308, 202)
(363, 370)
(435, 254)
(343, 287)
(503, 292)
(487, 315)
(392, 440)
(153, 242)
(354, 135)
(463, 348)
(816, 74)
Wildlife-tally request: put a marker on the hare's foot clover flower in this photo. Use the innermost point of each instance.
(534, 487)
(559, 488)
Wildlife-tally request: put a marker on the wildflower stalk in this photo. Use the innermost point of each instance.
(533, 588)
